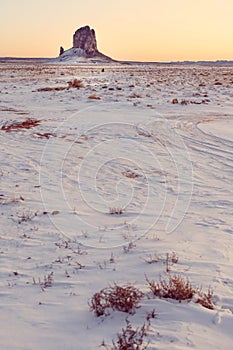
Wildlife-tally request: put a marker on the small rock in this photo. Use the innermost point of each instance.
(55, 212)
(94, 97)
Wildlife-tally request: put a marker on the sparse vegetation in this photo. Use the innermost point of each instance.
(76, 84)
(55, 88)
(46, 282)
(135, 95)
(71, 245)
(170, 259)
(129, 247)
(151, 259)
(132, 338)
(16, 125)
(206, 299)
(26, 216)
(45, 135)
(6, 200)
(121, 298)
(86, 247)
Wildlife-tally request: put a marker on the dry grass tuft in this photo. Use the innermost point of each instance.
(125, 299)
(130, 338)
(151, 259)
(176, 287)
(129, 247)
(116, 211)
(47, 282)
(26, 216)
(16, 126)
(171, 259)
(56, 88)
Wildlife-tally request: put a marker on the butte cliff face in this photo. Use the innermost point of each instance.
(84, 38)
(84, 47)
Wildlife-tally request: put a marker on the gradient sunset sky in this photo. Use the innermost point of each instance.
(146, 30)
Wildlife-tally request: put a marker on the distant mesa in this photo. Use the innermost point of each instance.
(84, 46)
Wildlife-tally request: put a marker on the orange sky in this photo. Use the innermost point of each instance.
(146, 30)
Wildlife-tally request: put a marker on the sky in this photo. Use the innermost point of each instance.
(143, 30)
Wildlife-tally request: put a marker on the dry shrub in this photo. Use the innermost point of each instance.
(16, 126)
(130, 338)
(206, 299)
(176, 287)
(125, 299)
(180, 288)
(76, 83)
(94, 97)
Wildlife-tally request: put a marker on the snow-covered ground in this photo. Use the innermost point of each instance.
(118, 142)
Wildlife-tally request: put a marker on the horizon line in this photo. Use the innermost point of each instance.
(123, 61)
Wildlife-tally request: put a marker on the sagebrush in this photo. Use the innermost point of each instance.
(121, 298)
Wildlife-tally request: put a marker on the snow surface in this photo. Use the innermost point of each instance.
(77, 55)
(169, 166)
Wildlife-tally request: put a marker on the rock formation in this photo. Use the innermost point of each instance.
(61, 51)
(84, 47)
(84, 38)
